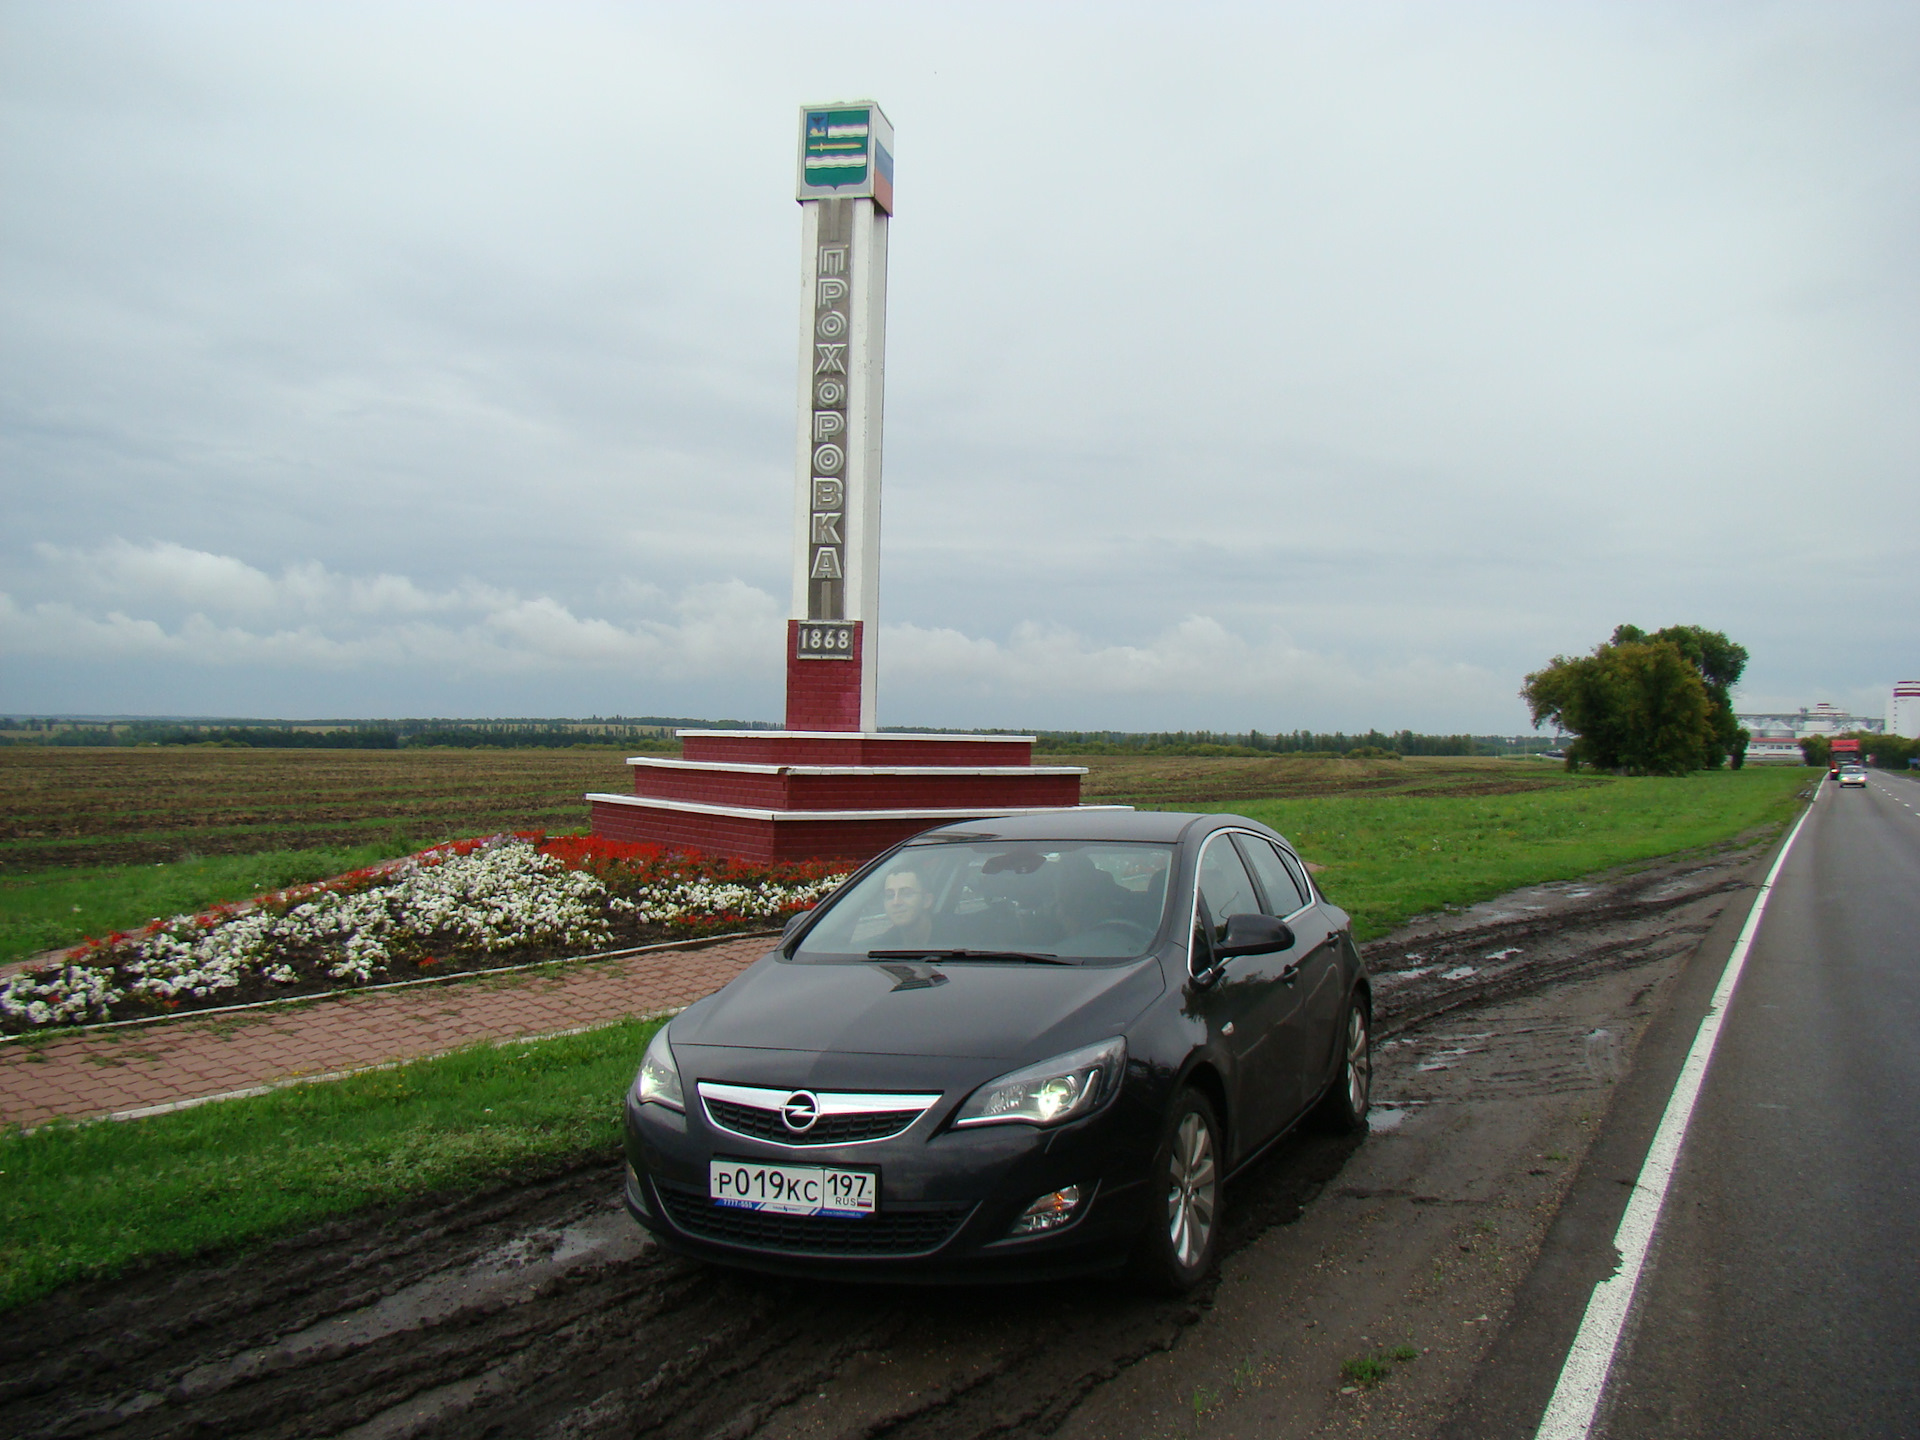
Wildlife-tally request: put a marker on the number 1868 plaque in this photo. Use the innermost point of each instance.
(815, 641)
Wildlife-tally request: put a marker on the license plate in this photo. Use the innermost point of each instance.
(792, 1189)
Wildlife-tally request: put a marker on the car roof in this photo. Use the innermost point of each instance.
(1089, 823)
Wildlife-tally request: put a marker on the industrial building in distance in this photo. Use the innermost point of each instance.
(1776, 735)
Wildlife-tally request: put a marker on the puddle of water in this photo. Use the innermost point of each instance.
(1603, 1055)
(1459, 972)
(1507, 954)
(1380, 1122)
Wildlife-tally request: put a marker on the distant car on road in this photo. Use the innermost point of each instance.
(1853, 775)
(1008, 1049)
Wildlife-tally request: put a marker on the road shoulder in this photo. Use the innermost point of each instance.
(1510, 1389)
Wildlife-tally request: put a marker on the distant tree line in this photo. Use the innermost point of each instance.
(642, 733)
(1889, 752)
(653, 732)
(1302, 744)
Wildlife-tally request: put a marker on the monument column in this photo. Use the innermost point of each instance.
(845, 189)
(797, 793)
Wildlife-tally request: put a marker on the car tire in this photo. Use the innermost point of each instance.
(1343, 1109)
(1183, 1238)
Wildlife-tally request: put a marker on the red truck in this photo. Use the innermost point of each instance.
(1843, 751)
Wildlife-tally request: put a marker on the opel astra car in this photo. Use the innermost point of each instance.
(1008, 1049)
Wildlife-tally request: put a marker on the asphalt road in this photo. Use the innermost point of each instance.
(1784, 1295)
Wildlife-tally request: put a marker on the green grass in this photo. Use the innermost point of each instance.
(1391, 857)
(1370, 1370)
(46, 908)
(1365, 1370)
(89, 1200)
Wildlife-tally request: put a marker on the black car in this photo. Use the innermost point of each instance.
(1008, 1049)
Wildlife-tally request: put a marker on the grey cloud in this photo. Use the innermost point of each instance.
(1407, 345)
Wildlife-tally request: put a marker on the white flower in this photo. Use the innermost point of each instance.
(500, 896)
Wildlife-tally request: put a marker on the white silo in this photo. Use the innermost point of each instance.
(1903, 717)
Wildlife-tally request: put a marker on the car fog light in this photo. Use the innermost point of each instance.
(637, 1193)
(1049, 1212)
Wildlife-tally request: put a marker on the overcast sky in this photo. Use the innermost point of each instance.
(1283, 366)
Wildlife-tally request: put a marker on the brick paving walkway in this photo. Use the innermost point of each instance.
(110, 1072)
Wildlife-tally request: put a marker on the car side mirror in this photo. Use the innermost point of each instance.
(794, 922)
(1254, 935)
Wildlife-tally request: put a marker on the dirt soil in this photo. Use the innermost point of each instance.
(540, 1310)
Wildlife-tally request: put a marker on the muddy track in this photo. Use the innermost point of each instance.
(538, 1309)
(1544, 936)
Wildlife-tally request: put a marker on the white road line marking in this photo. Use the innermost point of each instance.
(1576, 1398)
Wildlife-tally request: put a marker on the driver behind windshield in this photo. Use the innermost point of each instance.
(909, 913)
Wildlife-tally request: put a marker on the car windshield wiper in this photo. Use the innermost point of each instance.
(1032, 956)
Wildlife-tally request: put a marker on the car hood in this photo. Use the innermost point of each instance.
(1010, 1012)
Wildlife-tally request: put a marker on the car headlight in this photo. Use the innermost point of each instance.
(1052, 1092)
(659, 1076)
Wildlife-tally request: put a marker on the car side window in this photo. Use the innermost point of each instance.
(1283, 891)
(1297, 868)
(1224, 885)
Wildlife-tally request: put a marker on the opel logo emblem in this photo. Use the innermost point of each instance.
(800, 1111)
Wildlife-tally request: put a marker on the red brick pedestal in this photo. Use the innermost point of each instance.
(826, 794)
(823, 694)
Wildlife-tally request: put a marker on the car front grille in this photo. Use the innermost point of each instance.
(895, 1232)
(839, 1117)
(827, 1130)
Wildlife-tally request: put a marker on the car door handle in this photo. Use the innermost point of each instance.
(1291, 973)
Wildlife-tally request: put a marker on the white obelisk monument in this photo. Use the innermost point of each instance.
(845, 189)
(832, 784)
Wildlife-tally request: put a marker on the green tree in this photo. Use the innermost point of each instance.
(1638, 704)
(1890, 752)
(1721, 664)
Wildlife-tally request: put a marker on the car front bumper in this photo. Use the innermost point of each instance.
(948, 1199)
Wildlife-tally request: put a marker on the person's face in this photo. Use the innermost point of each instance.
(906, 900)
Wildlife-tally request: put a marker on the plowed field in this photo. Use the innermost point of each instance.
(72, 807)
(61, 807)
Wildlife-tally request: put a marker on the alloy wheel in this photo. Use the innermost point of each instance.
(1359, 1062)
(1192, 1189)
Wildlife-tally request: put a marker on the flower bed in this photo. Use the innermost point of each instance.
(471, 905)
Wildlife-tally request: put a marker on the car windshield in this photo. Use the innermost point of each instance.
(1042, 900)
